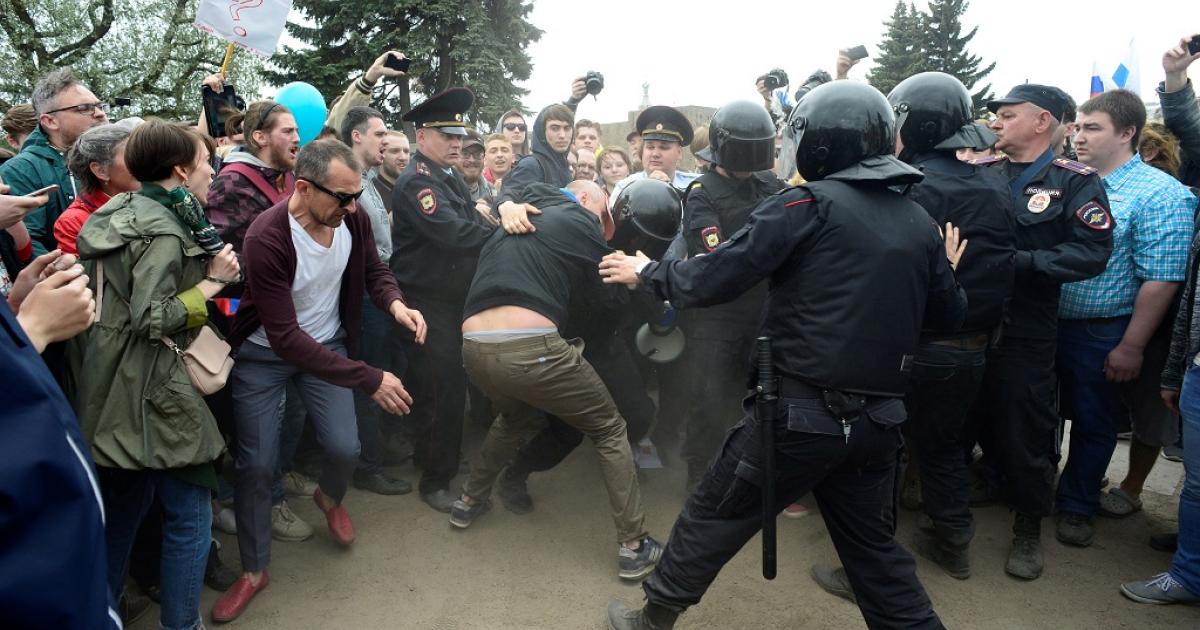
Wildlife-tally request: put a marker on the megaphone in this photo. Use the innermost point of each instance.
(661, 341)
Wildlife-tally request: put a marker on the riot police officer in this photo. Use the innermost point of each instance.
(720, 338)
(855, 269)
(1063, 234)
(437, 235)
(933, 120)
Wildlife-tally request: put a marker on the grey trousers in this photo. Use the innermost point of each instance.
(258, 380)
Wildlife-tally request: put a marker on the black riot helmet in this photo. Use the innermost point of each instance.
(647, 213)
(930, 108)
(741, 137)
(838, 125)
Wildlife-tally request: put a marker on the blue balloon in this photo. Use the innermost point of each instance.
(307, 106)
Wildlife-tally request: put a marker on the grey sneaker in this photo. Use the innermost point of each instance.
(1025, 558)
(652, 617)
(297, 485)
(286, 526)
(1160, 589)
(635, 565)
(1075, 529)
(833, 580)
(463, 514)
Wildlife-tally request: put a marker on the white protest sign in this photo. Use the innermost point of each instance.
(255, 25)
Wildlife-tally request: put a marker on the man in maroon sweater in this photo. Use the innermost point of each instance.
(308, 261)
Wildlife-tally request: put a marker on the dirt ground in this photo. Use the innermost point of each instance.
(556, 568)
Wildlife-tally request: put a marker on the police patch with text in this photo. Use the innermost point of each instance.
(1094, 216)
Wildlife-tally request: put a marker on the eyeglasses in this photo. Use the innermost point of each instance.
(343, 199)
(85, 108)
(515, 126)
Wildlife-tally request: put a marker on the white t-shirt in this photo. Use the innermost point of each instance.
(318, 283)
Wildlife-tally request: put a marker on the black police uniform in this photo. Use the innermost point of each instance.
(719, 338)
(1063, 234)
(854, 269)
(436, 236)
(949, 366)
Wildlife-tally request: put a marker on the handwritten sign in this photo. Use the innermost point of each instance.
(255, 25)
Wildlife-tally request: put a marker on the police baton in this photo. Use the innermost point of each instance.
(766, 406)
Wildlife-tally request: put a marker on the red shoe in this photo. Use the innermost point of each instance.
(233, 602)
(338, 519)
(795, 510)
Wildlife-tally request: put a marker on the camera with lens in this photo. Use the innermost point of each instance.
(594, 81)
(776, 78)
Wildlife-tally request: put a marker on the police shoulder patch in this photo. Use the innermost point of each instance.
(1074, 167)
(711, 236)
(422, 169)
(1094, 216)
(427, 200)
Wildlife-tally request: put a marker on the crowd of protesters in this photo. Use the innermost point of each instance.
(348, 275)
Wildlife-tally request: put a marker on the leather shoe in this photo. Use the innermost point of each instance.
(337, 518)
(233, 602)
(381, 483)
(440, 500)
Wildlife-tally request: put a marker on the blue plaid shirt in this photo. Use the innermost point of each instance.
(1153, 214)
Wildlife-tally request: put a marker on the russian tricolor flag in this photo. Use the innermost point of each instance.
(1124, 76)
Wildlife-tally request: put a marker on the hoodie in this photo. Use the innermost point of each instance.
(544, 165)
(234, 201)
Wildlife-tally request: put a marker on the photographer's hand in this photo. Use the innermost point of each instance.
(378, 70)
(1175, 63)
(578, 90)
(844, 63)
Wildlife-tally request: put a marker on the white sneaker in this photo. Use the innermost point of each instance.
(225, 520)
(286, 526)
(297, 485)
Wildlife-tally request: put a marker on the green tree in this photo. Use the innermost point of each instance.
(945, 48)
(901, 53)
(480, 44)
(146, 50)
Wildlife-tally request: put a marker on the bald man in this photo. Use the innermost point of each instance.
(513, 351)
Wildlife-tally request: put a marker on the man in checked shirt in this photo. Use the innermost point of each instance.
(1107, 323)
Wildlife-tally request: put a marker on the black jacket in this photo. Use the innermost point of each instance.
(976, 200)
(436, 232)
(854, 269)
(1067, 239)
(543, 270)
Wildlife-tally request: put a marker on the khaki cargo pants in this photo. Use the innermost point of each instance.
(527, 376)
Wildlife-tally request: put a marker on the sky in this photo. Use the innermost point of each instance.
(706, 52)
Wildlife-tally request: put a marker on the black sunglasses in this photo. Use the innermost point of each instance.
(516, 126)
(344, 199)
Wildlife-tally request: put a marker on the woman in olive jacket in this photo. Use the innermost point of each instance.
(150, 432)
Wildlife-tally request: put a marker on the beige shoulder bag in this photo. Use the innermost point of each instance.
(206, 359)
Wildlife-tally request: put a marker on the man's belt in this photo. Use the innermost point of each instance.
(792, 388)
(970, 342)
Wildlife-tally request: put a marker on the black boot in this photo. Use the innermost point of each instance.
(652, 617)
(217, 576)
(953, 559)
(1025, 558)
(510, 485)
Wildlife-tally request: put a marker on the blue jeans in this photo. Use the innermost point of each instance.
(1185, 568)
(187, 521)
(1083, 345)
(259, 378)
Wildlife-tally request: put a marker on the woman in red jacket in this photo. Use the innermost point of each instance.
(98, 161)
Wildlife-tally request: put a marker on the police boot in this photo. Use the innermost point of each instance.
(652, 617)
(1025, 558)
(953, 559)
